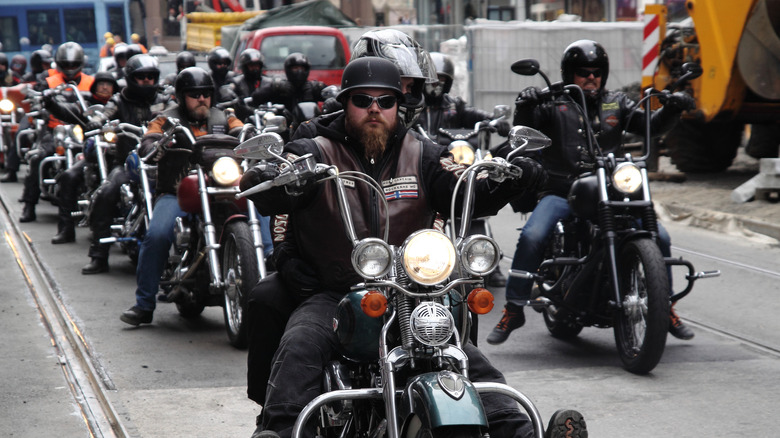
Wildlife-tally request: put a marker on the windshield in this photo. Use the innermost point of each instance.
(323, 51)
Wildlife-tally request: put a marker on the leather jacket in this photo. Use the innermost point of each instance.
(450, 112)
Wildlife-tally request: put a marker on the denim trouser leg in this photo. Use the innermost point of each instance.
(265, 233)
(530, 247)
(154, 250)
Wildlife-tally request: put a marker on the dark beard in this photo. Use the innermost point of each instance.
(373, 140)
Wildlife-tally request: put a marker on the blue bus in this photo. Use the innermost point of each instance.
(28, 25)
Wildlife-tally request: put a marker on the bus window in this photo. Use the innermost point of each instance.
(80, 25)
(44, 27)
(116, 20)
(9, 34)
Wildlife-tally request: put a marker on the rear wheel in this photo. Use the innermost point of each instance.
(642, 323)
(240, 273)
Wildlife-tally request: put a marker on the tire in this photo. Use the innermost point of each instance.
(560, 328)
(642, 324)
(240, 273)
(698, 147)
(416, 429)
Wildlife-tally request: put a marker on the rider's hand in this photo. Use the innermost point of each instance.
(528, 97)
(93, 125)
(48, 97)
(158, 154)
(680, 101)
(257, 175)
(534, 176)
(331, 105)
(503, 127)
(33, 154)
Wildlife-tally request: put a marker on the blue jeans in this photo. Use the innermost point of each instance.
(529, 252)
(265, 234)
(154, 250)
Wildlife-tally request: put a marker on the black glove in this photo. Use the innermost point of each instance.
(48, 97)
(528, 97)
(534, 176)
(93, 124)
(680, 101)
(503, 127)
(258, 174)
(331, 105)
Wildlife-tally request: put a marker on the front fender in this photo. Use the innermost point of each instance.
(440, 399)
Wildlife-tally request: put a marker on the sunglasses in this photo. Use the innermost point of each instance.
(196, 94)
(146, 76)
(584, 72)
(385, 101)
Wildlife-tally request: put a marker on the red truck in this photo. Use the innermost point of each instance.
(326, 47)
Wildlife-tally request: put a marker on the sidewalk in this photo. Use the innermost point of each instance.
(704, 200)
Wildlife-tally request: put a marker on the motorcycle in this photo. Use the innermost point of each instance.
(603, 266)
(11, 113)
(403, 371)
(217, 251)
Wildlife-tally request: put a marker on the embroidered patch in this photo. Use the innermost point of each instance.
(403, 187)
(279, 227)
(610, 106)
(611, 120)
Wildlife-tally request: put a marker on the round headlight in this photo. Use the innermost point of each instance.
(627, 178)
(372, 258)
(432, 324)
(479, 254)
(6, 105)
(462, 151)
(77, 133)
(110, 136)
(428, 257)
(226, 171)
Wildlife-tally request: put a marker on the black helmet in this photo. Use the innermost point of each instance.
(70, 59)
(19, 64)
(142, 65)
(4, 59)
(411, 60)
(444, 67)
(219, 63)
(120, 54)
(38, 58)
(584, 53)
(183, 60)
(193, 78)
(251, 56)
(369, 72)
(104, 76)
(297, 77)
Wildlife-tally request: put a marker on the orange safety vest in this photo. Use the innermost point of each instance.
(85, 83)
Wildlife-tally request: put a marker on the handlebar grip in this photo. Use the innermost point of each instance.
(265, 185)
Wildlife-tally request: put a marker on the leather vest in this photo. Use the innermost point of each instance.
(319, 230)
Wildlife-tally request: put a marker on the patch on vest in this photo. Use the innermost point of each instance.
(279, 227)
(610, 106)
(611, 121)
(218, 129)
(403, 187)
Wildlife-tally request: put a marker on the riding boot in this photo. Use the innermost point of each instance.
(98, 254)
(9, 176)
(28, 212)
(66, 231)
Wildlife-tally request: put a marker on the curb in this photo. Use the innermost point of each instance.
(718, 221)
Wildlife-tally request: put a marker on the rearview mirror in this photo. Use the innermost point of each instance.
(526, 67)
(262, 147)
(525, 139)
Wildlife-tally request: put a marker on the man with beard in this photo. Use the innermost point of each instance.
(368, 137)
(584, 63)
(194, 93)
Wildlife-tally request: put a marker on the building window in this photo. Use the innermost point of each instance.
(116, 20)
(501, 13)
(9, 34)
(44, 26)
(80, 26)
(589, 10)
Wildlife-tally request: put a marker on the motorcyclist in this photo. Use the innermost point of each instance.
(71, 181)
(70, 61)
(584, 63)
(295, 89)
(6, 76)
(251, 63)
(136, 104)
(184, 59)
(120, 59)
(367, 136)
(194, 94)
(219, 60)
(443, 110)
(40, 62)
(18, 68)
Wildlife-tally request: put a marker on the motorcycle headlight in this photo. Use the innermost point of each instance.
(432, 324)
(627, 178)
(77, 133)
(428, 257)
(463, 152)
(6, 105)
(372, 258)
(226, 171)
(479, 254)
(110, 136)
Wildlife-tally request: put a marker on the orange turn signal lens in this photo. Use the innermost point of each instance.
(374, 304)
(60, 150)
(480, 301)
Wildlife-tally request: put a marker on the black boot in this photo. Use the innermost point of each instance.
(8, 177)
(28, 213)
(137, 316)
(96, 265)
(67, 234)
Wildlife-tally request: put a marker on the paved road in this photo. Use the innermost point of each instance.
(178, 377)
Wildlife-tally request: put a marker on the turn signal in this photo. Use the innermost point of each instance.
(59, 150)
(480, 301)
(374, 304)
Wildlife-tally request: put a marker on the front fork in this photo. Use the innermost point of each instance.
(209, 233)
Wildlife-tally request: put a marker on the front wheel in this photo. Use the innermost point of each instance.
(642, 322)
(240, 273)
(416, 429)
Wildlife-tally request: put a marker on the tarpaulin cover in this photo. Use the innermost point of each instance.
(310, 13)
